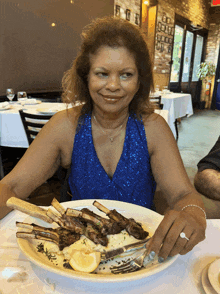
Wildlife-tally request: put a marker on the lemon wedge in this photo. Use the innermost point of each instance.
(85, 261)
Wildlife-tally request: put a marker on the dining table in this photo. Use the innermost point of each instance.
(12, 133)
(19, 275)
(179, 105)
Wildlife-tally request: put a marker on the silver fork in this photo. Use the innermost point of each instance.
(130, 266)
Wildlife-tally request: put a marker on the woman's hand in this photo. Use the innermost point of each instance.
(166, 240)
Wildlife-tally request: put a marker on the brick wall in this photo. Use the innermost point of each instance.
(213, 35)
(196, 11)
(133, 5)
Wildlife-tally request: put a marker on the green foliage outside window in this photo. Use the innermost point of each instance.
(206, 70)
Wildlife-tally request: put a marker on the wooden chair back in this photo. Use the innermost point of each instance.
(33, 123)
(156, 100)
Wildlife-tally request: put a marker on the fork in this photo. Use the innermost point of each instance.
(130, 266)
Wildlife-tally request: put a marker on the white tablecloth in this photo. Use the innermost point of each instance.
(12, 133)
(183, 276)
(178, 105)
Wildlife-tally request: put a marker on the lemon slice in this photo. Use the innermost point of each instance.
(85, 262)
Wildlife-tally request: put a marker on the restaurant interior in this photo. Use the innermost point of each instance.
(40, 39)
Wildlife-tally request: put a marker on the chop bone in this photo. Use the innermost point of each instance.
(72, 222)
(60, 236)
(130, 225)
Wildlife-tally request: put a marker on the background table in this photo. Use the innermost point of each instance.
(183, 276)
(12, 133)
(178, 105)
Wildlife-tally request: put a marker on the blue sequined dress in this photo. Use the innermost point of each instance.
(132, 181)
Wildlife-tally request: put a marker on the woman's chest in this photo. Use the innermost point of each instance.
(109, 153)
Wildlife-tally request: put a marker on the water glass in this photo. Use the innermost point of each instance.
(10, 94)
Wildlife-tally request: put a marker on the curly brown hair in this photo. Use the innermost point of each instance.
(112, 32)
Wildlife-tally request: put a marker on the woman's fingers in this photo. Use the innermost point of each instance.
(182, 242)
(162, 231)
(178, 233)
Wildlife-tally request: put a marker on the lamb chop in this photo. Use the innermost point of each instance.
(60, 236)
(105, 226)
(130, 225)
(112, 226)
(71, 222)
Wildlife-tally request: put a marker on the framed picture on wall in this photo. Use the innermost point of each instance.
(128, 14)
(169, 30)
(158, 37)
(158, 45)
(159, 26)
(168, 20)
(169, 49)
(137, 19)
(163, 27)
(164, 18)
(117, 10)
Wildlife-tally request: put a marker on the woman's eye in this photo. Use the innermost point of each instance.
(126, 75)
(102, 74)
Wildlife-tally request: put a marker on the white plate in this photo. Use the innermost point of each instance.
(48, 110)
(5, 108)
(206, 283)
(32, 102)
(214, 275)
(148, 218)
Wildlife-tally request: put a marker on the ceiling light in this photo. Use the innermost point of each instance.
(146, 2)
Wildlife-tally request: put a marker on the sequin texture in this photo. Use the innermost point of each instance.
(132, 181)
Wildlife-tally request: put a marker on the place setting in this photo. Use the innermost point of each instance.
(35, 238)
(210, 277)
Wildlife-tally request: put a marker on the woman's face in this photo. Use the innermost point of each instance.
(113, 79)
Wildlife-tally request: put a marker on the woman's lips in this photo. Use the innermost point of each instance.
(111, 98)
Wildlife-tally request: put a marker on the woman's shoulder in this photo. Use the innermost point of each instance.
(157, 131)
(66, 119)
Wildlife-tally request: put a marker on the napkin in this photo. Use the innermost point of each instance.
(4, 104)
(31, 101)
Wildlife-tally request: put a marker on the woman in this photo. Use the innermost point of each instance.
(116, 145)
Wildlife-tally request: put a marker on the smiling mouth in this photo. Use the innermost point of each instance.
(112, 98)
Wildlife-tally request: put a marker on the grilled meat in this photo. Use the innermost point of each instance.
(59, 236)
(130, 225)
(105, 226)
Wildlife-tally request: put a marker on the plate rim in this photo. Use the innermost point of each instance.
(213, 278)
(207, 286)
(89, 277)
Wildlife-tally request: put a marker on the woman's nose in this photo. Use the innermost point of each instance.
(113, 83)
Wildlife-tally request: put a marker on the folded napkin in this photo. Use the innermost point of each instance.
(4, 104)
(31, 101)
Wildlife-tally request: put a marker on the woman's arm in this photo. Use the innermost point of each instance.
(170, 175)
(51, 148)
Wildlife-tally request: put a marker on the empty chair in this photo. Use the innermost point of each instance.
(33, 123)
(156, 100)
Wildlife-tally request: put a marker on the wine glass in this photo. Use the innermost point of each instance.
(10, 94)
(22, 97)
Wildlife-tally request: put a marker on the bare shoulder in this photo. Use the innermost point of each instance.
(60, 132)
(158, 132)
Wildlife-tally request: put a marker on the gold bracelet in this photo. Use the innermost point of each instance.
(190, 205)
